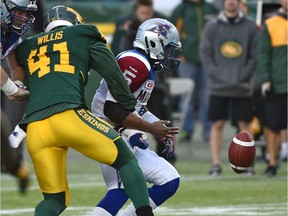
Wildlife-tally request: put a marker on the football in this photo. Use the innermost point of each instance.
(241, 152)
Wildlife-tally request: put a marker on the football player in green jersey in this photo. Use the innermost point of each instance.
(56, 65)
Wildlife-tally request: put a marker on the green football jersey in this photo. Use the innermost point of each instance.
(56, 70)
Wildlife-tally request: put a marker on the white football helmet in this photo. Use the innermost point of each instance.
(15, 23)
(159, 38)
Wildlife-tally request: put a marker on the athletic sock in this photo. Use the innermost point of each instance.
(157, 195)
(113, 201)
(53, 204)
(134, 183)
(49, 207)
(131, 211)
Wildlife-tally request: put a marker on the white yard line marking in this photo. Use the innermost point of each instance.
(184, 178)
(254, 210)
(264, 209)
(99, 182)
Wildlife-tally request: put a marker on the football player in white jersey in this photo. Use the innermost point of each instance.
(16, 18)
(155, 44)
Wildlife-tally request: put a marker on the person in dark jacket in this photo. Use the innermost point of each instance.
(228, 53)
(272, 70)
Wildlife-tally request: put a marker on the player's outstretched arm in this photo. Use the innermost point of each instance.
(158, 128)
(127, 119)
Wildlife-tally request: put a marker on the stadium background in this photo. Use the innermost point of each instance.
(104, 13)
(199, 194)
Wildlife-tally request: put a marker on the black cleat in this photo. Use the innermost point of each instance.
(23, 184)
(215, 170)
(270, 171)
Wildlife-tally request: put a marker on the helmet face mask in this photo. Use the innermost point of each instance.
(159, 39)
(17, 15)
(61, 16)
(168, 59)
(20, 24)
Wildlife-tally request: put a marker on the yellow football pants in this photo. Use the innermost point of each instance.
(48, 141)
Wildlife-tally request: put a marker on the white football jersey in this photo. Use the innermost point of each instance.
(139, 75)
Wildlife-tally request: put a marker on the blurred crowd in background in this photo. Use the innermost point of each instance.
(219, 38)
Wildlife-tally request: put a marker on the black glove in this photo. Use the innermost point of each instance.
(169, 146)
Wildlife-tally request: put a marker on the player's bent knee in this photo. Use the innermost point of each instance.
(124, 154)
(112, 202)
(160, 193)
(172, 186)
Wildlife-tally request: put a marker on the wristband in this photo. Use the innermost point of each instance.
(9, 88)
(149, 117)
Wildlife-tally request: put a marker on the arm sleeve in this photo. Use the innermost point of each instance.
(120, 116)
(264, 55)
(103, 61)
(115, 112)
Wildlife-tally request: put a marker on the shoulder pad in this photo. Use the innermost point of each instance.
(92, 30)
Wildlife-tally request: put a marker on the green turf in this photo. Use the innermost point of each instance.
(199, 194)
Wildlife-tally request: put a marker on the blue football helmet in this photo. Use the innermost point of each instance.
(16, 23)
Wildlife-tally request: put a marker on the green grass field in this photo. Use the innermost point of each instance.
(199, 194)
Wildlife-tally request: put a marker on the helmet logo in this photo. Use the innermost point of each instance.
(162, 29)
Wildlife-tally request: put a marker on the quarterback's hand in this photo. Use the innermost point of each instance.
(137, 140)
(169, 146)
(160, 130)
(265, 87)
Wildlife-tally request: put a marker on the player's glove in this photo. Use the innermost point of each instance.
(169, 146)
(267, 90)
(137, 140)
(265, 87)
